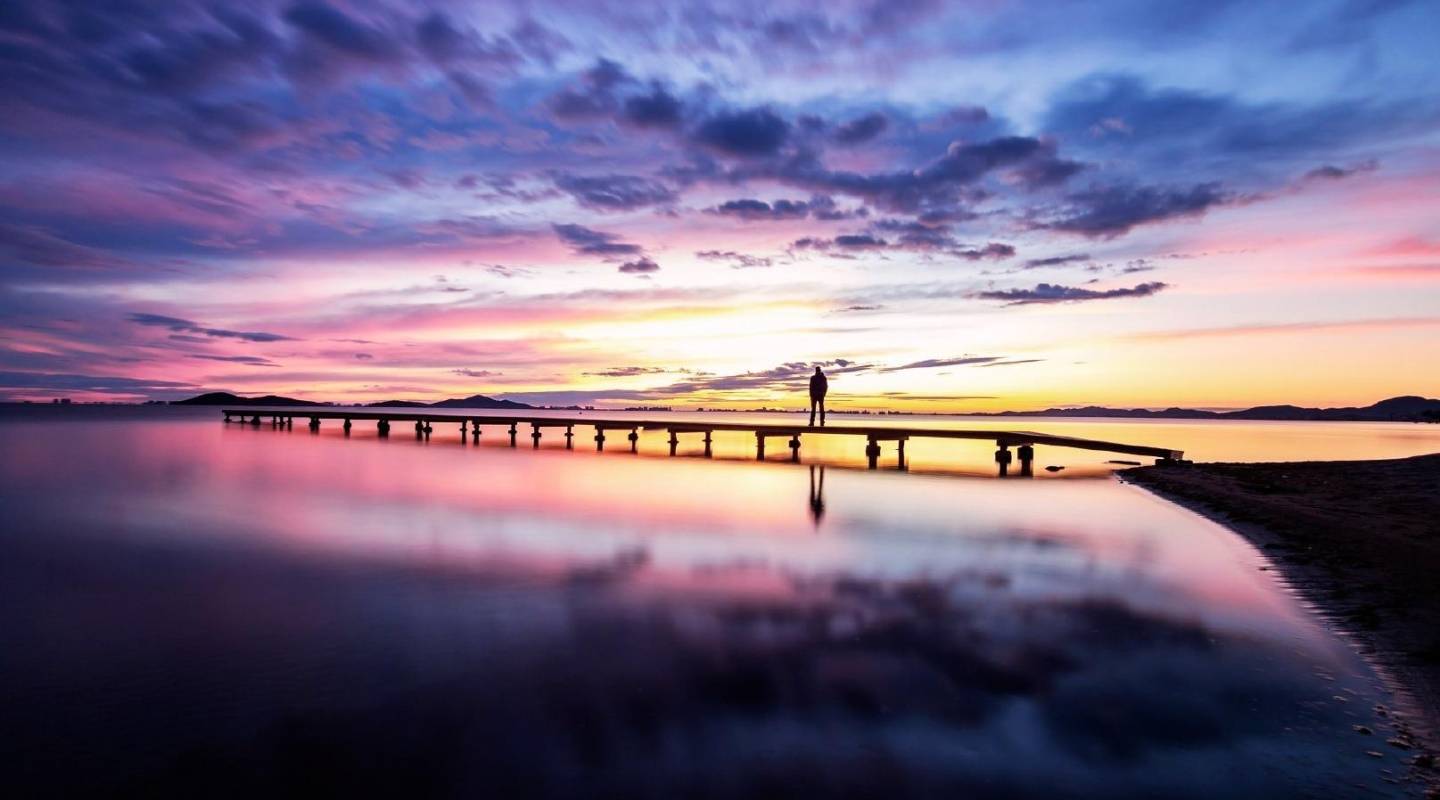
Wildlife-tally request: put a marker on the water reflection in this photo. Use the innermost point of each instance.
(817, 494)
(225, 611)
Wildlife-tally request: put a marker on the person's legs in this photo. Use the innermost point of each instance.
(821, 401)
(813, 401)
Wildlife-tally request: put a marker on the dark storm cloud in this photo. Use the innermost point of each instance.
(746, 133)
(186, 326)
(861, 129)
(1112, 211)
(615, 192)
(1054, 293)
(590, 242)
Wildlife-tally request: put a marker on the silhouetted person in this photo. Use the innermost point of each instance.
(819, 385)
(817, 494)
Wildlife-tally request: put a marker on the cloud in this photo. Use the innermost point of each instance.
(1111, 211)
(626, 372)
(1054, 293)
(932, 363)
(737, 260)
(70, 382)
(913, 236)
(752, 210)
(1057, 261)
(253, 361)
(640, 266)
(992, 251)
(186, 326)
(861, 129)
(1331, 172)
(615, 192)
(336, 29)
(590, 242)
(941, 190)
(476, 373)
(658, 109)
(747, 133)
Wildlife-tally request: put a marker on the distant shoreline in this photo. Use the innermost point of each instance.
(1360, 540)
(1409, 408)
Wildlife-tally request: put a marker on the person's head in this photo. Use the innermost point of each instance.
(817, 370)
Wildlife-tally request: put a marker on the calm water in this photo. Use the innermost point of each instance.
(193, 608)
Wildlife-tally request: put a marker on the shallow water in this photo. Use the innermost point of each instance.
(189, 606)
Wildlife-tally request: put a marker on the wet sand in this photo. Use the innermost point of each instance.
(1359, 539)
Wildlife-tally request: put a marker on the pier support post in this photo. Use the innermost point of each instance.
(347, 427)
(512, 434)
(419, 429)
(314, 424)
(535, 435)
(795, 448)
(634, 438)
(599, 439)
(289, 423)
(383, 427)
(674, 442)
(475, 431)
(872, 453)
(463, 432)
(900, 454)
(1002, 458)
(428, 430)
(569, 437)
(759, 446)
(255, 421)
(1026, 454)
(227, 418)
(707, 444)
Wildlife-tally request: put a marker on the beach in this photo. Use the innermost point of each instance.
(1358, 539)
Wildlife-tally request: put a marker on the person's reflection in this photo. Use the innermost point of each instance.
(817, 494)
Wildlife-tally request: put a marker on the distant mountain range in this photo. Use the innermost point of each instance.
(1403, 409)
(228, 399)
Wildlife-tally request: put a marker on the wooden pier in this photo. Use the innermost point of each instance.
(1024, 442)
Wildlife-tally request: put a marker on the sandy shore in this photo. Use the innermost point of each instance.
(1359, 539)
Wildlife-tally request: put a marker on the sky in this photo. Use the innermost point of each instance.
(948, 206)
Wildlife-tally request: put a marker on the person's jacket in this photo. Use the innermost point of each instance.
(818, 385)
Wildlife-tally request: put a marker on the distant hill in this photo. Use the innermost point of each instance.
(398, 404)
(227, 399)
(478, 401)
(1396, 409)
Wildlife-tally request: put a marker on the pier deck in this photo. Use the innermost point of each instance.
(424, 422)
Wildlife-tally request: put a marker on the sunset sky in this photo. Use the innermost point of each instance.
(951, 206)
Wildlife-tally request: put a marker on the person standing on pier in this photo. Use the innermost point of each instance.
(819, 385)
